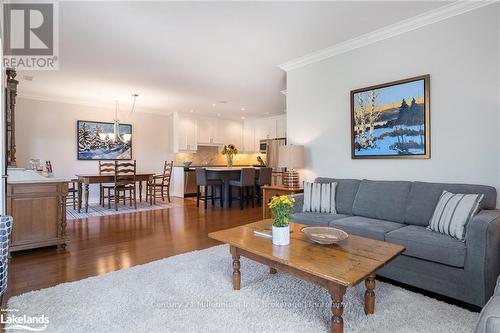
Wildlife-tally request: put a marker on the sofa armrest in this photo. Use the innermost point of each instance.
(299, 202)
(483, 248)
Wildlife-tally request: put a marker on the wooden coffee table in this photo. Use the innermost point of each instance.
(334, 267)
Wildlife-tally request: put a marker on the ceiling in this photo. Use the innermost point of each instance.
(183, 56)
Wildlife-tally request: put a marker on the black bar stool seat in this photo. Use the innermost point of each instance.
(246, 183)
(212, 184)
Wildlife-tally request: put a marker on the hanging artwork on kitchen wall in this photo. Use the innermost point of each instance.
(391, 120)
(104, 141)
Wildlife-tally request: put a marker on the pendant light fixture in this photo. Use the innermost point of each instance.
(115, 135)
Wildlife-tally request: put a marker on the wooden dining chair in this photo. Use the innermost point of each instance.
(105, 169)
(159, 184)
(72, 196)
(124, 176)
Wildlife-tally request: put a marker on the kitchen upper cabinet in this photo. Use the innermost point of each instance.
(265, 128)
(233, 133)
(217, 131)
(270, 128)
(249, 137)
(185, 133)
(210, 131)
(204, 130)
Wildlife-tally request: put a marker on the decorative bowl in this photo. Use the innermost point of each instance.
(325, 235)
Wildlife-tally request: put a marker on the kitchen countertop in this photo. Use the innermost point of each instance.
(218, 167)
(27, 176)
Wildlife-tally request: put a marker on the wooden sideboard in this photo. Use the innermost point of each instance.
(39, 212)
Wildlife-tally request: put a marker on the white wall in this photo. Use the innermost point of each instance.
(462, 56)
(47, 130)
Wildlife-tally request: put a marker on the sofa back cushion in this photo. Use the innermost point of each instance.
(384, 200)
(424, 197)
(345, 192)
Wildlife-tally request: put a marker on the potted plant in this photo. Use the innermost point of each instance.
(229, 150)
(282, 207)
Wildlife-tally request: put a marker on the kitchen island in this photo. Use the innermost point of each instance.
(184, 179)
(226, 174)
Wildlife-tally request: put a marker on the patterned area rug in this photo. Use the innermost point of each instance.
(193, 293)
(97, 210)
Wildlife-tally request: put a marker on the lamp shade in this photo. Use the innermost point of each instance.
(291, 156)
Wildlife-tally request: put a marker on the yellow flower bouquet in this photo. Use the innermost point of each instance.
(282, 207)
(229, 151)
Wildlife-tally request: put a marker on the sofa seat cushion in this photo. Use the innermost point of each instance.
(429, 245)
(366, 227)
(316, 218)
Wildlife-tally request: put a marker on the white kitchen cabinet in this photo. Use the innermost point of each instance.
(249, 137)
(270, 128)
(217, 131)
(203, 130)
(184, 129)
(233, 133)
(210, 131)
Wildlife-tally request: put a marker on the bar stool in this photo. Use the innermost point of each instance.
(202, 180)
(264, 178)
(245, 184)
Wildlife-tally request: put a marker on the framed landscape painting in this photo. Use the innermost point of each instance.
(97, 141)
(391, 120)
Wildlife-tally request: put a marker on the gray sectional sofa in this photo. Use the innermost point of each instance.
(399, 212)
(489, 320)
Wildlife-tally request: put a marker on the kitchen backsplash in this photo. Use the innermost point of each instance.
(212, 156)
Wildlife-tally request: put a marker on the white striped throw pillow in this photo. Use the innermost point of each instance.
(453, 212)
(319, 198)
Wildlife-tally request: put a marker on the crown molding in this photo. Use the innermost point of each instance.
(413, 23)
(93, 104)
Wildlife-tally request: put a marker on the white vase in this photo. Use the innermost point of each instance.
(281, 235)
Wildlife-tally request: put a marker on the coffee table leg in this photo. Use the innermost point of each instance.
(272, 270)
(370, 295)
(236, 268)
(337, 293)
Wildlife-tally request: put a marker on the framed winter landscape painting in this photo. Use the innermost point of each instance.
(391, 120)
(98, 141)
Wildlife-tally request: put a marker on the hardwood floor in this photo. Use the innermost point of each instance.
(100, 245)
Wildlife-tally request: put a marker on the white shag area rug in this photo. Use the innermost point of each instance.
(193, 292)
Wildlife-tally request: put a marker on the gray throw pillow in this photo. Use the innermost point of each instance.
(453, 212)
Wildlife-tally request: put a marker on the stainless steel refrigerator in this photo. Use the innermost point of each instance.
(270, 147)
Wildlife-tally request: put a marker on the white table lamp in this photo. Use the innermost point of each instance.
(291, 157)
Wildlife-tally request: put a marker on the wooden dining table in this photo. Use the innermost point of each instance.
(85, 180)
